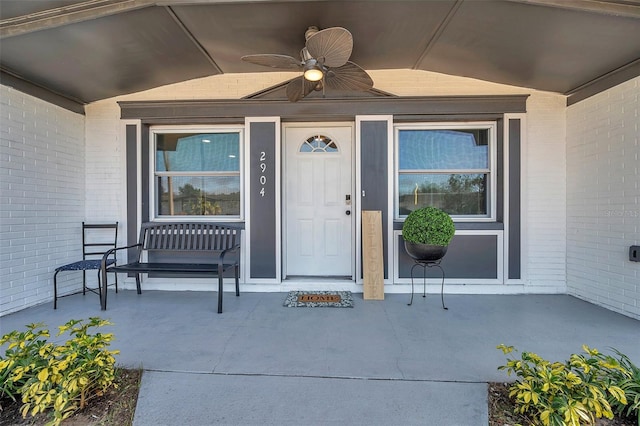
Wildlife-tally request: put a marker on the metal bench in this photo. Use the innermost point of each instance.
(177, 239)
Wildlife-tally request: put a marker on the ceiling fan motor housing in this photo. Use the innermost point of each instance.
(310, 31)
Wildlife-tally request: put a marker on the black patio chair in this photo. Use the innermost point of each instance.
(96, 241)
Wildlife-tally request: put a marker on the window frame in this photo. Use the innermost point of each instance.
(491, 171)
(153, 174)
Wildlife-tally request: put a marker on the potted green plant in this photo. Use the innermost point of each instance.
(427, 233)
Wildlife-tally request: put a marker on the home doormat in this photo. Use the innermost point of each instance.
(319, 299)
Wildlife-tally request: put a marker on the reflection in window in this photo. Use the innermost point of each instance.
(444, 168)
(319, 143)
(197, 174)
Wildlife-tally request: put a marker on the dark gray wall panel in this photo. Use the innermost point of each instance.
(468, 256)
(374, 175)
(131, 142)
(514, 199)
(500, 172)
(262, 150)
(146, 146)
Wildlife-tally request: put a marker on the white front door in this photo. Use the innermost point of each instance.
(318, 201)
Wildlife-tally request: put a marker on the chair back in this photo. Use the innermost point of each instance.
(98, 238)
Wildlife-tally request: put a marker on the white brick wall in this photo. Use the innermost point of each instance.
(544, 153)
(603, 198)
(544, 193)
(41, 197)
(105, 165)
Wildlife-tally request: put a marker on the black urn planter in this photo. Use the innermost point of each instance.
(424, 252)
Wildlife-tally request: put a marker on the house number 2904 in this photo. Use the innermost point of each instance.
(263, 169)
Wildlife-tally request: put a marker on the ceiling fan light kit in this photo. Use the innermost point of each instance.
(324, 62)
(313, 71)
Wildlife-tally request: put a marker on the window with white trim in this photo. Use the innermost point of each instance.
(197, 173)
(451, 167)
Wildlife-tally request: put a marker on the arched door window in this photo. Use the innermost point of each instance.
(319, 143)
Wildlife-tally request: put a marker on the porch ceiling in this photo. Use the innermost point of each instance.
(82, 51)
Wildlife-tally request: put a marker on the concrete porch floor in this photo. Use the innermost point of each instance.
(380, 363)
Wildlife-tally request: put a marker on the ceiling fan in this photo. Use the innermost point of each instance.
(324, 61)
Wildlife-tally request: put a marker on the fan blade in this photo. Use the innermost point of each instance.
(299, 88)
(333, 44)
(348, 77)
(274, 61)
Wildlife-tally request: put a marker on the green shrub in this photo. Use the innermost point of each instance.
(21, 358)
(631, 387)
(428, 225)
(623, 373)
(57, 377)
(572, 393)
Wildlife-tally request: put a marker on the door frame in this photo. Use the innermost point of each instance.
(354, 205)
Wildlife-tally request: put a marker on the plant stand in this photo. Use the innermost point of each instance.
(424, 264)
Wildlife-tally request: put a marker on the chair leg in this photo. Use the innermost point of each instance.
(84, 282)
(138, 288)
(55, 290)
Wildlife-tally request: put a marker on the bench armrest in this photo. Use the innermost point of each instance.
(224, 252)
(106, 255)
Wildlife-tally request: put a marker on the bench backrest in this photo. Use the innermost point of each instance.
(184, 236)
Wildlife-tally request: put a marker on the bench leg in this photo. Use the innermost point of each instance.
(220, 290)
(103, 289)
(100, 285)
(116, 278)
(236, 267)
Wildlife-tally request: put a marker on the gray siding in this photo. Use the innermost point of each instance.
(262, 215)
(514, 199)
(468, 256)
(374, 175)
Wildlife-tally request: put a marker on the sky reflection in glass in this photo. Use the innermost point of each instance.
(215, 152)
(442, 149)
